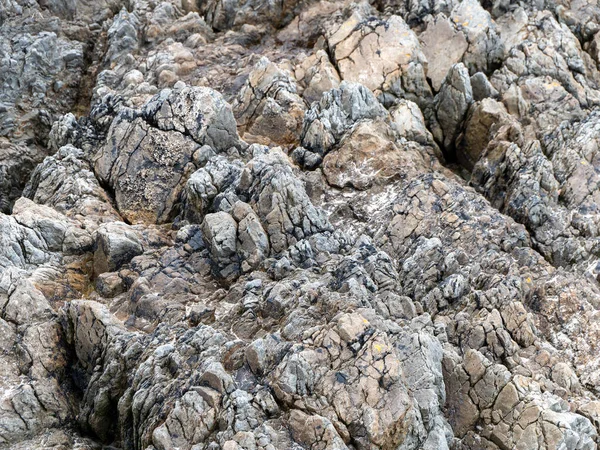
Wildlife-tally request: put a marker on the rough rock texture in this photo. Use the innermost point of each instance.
(383, 55)
(333, 225)
(150, 152)
(268, 109)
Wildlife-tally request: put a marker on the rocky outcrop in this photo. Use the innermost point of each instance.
(67, 183)
(149, 153)
(324, 224)
(316, 75)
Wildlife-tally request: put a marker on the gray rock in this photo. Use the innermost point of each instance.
(268, 109)
(115, 244)
(223, 15)
(452, 103)
(66, 183)
(16, 164)
(253, 245)
(149, 153)
(220, 234)
(280, 201)
(218, 176)
(338, 110)
(482, 88)
(368, 297)
(200, 112)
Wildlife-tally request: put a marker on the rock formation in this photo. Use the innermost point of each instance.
(333, 225)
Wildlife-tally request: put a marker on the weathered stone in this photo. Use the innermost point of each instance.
(148, 155)
(366, 155)
(443, 46)
(452, 103)
(220, 234)
(115, 244)
(268, 109)
(317, 75)
(327, 121)
(396, 69)
(366, 297)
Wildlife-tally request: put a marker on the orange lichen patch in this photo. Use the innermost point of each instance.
(75, 282)
(140, 216)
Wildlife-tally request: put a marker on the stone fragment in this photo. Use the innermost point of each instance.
(317, 75)
(484, 119)
(253, 245)
(409, 122)
(115, 243)
(328, 120)
(452, 103)
(482, 88)
(366, 155)
(220, 235)
(149, 153)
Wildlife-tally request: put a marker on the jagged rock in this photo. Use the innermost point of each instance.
(326, 122)
(485, 45)
(66, 182)
(216, 177)
(149, 153)
(443, 46)
(414, 12)
(58, 233)
(122, 36)
(42, 66)
(310, 24)
(482, 88)
(220, 234)
(317, 75)
(280, 201)
(594, 47)
(368, 297)
(394, 70)
(16, 163)
(90, 326)
(315, 430)
(452, 103)
(223, 15)
(109, 284)
(268, 109)
(201, 113)
(367, 154)
(116, 243)
(484, 118)
(253, 245)
(41, 72)
(409, 122)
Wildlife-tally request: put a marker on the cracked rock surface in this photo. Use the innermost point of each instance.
(304, 225)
